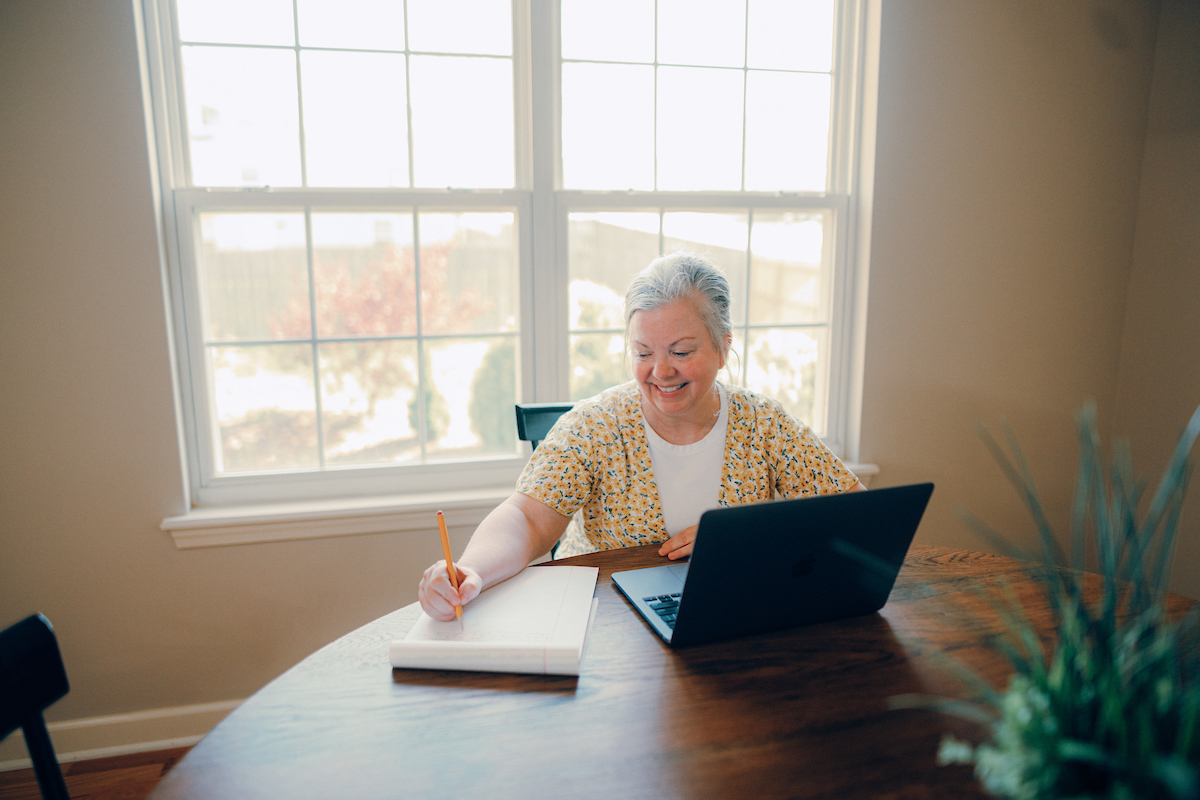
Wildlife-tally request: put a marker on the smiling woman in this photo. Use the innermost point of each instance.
(644, 460)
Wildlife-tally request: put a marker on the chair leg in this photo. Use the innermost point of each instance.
(45, 763)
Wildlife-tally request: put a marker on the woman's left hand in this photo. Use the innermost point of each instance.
(679, 545)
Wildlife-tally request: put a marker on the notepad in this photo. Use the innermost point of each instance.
(535, 622)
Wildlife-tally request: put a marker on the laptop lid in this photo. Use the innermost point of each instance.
(765, 566)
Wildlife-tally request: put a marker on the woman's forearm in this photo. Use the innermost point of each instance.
(517, 531)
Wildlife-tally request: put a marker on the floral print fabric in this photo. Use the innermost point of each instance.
(595, 461)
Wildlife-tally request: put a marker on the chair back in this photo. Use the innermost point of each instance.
(32, 678)
(534, 420)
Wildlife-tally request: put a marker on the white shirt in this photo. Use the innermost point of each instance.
(689, 475)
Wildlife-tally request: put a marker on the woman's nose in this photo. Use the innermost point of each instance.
(663, 368)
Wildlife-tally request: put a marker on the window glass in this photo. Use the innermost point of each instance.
(468, 273)
(242, 116)
(353, 24)
(790, 34)
(460, 26)
(369, 401)
(254, 275)
(791, 273)
(264, 407)
(606, 250)
(709, 33)
(699, 129)
(365, 278)
(791, 365)
(462, 118)
(787, 143)
(355, 123)
(470, 391)
(236, 21)
(608, 126)
(615, 30)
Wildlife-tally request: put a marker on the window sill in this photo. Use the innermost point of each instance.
(320, 519)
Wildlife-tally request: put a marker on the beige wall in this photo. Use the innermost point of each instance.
(87, 423)
(1159, 385)
(1010, 148)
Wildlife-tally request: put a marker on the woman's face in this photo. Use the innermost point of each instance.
(675, 363)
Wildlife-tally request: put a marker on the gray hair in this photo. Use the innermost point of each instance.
(683, 276)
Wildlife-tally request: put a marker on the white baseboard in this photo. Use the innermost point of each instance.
(120, 734)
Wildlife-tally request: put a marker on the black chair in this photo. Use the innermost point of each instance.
(32, 678)
(534, 420)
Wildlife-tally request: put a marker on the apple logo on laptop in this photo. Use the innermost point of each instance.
(803, 566)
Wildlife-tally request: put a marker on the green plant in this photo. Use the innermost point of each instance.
(1110, 708)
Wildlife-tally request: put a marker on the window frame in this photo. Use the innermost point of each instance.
(542, 208)
(332, 481)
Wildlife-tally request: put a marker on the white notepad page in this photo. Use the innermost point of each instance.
(536, 621)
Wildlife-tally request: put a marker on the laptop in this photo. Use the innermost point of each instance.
(764, 566)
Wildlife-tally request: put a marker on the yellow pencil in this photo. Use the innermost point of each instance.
(449, 559)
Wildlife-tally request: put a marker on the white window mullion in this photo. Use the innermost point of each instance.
(424, 392)
(744, 356)
(408, 109)
(840, 329)
(300, 125)
(548, 295)
(202, 417)
(312, 328)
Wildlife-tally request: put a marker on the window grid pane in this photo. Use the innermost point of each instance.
(333, 104)
(736, 108)
(391, 352)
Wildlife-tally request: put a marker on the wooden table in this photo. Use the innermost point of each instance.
(799, 713)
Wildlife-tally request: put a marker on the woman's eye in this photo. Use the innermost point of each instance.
(681, 354)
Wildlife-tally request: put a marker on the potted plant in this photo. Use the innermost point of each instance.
(1110, 706)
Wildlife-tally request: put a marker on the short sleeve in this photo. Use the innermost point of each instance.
(561, 471)
(805, 465)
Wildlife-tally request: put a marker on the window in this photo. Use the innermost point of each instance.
(387, 222)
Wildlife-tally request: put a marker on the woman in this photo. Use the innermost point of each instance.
(643, 460)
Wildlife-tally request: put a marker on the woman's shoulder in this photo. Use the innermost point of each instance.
(609, 409)
(612, 400)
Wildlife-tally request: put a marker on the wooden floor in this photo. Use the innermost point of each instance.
(128, 777)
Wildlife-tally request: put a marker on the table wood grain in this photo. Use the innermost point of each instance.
(800, 713)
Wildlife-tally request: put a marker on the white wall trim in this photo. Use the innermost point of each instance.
(278, 522)
(858, 266)
(120, 734)
(864, 472)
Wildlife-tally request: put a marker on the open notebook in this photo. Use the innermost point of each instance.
(536, 622)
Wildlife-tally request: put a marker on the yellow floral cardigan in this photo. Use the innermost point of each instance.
(596, 459)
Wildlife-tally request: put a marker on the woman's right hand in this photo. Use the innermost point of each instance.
(438, 596)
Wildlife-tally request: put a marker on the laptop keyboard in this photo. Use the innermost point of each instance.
(665, 606)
